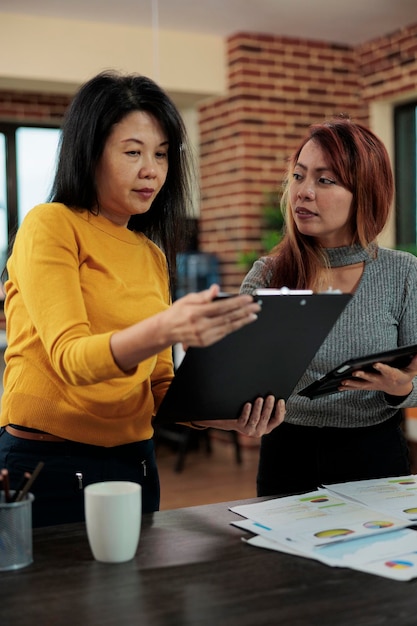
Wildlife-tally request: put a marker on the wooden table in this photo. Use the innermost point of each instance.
(192, 569)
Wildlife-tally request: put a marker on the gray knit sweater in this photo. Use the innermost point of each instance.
(382, 315)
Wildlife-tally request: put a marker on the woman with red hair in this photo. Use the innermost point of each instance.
(337, 200)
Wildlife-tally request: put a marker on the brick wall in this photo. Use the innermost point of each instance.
(276, 87)
(388, 66)
(32, 107)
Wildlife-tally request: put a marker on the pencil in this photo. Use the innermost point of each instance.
(25, 478)
(30, 481)
(6, 487)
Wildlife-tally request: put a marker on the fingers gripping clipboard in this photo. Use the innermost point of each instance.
(265, 357)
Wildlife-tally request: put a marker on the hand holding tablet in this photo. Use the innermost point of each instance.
(330, 383)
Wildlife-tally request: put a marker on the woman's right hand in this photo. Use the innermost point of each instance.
(199, 320)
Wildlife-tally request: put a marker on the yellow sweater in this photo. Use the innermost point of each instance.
(74, 279)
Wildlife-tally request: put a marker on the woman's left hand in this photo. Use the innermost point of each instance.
(388, 379)
(256, 419)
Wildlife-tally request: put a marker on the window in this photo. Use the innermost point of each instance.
(27, 163)
(405, 120)
(3, 201)
(36, 150)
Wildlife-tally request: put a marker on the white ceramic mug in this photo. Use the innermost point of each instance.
(113, 514)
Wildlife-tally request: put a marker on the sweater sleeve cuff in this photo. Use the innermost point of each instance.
(395, 400)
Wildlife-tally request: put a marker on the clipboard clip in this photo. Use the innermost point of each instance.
(284, 291)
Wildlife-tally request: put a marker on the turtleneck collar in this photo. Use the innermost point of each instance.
(349, 255)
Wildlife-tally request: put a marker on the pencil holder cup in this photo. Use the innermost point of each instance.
(15, 533)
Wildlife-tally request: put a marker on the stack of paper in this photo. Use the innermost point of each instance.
(361, 525)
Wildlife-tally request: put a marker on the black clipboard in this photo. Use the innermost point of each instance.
(267, 356)
(330, 383)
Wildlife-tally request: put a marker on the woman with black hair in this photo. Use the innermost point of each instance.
(89, 318)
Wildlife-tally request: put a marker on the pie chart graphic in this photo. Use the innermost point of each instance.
(399, 564)
(333, 532)
(378, 524)
(315, 499)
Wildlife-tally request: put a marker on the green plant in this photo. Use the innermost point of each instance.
(272, 227)
(407, 247)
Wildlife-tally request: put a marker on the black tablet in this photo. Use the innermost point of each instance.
(330, 383)
(265, 357)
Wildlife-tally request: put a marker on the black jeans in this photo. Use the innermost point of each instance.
(295, 459)
(70, 466)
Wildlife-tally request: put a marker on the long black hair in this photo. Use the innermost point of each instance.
(99, 104)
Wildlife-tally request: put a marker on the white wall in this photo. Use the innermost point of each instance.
(57, 55)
